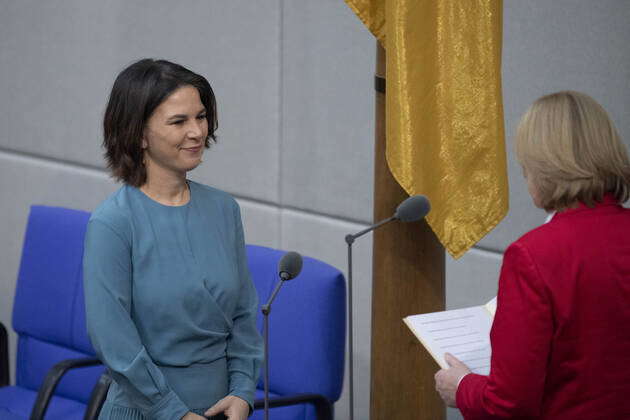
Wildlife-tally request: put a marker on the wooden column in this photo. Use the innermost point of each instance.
(408, 278)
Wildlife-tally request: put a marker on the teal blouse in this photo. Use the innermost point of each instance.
(171, 309)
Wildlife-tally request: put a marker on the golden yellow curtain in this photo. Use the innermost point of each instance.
(445, 135)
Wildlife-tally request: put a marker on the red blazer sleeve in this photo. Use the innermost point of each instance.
(521, 338)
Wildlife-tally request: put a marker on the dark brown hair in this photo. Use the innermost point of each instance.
(137, 91)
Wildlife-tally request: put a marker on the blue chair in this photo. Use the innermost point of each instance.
(56, 366)
(306, 340)
(306, 337)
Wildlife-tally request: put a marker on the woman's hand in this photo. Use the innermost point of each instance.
(447, 380)
(192, 416)
(234, 408)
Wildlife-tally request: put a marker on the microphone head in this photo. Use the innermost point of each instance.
(413, 208)
(290, 265)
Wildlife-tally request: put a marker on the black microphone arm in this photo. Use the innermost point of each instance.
(351, 237)
(289, 267)
(411, 209)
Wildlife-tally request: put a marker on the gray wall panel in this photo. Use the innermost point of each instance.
(56, 66)
(58, 71)
(323, 238)
(453, 414)
(550, 46)
(261, 223)
(473, 279)
(327, 110)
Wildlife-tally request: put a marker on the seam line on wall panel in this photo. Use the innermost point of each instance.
(18, 154)
(314, 213)
(95, 170)
(280, 113)
(488, 252)
(101, 171)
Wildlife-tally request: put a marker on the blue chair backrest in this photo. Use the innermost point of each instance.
(307, 325)
(49, 310)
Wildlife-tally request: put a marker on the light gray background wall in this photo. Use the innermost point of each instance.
(294, 86)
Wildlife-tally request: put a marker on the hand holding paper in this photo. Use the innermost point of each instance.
(465, 333)
(447, 380)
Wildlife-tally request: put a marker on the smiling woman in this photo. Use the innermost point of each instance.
(174, 138)
(153, 96)
(171, 309)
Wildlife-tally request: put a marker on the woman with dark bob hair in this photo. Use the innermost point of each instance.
(171, 309)
(561, 334)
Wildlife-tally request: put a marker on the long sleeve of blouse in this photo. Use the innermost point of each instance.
(107, 266)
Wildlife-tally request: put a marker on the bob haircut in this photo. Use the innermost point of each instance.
(137, 91)
(569, 146)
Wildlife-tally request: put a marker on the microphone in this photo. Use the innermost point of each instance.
(410, 210)
(413, 208)
(289, 267)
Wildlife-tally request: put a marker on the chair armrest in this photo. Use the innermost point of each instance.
(54, 375)
(323, 407)
(5, 376)
(97, 398)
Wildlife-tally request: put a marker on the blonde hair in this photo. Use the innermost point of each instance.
(570, 147)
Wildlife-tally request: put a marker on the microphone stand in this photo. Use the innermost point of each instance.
(350, 240)
(266, 309)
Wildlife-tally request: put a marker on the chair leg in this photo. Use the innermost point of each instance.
(323, 407)
(5, 375)
(99, 393)
(54, 375)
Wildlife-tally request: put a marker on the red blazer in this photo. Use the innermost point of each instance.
(561, 334)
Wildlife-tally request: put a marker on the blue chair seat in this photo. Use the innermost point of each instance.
(17, 402)
(7, 415)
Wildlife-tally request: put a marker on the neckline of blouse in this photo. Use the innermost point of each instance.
(155, 203)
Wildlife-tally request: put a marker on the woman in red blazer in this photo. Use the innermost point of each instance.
(561, 334)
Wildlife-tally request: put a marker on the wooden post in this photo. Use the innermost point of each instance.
(408, 278)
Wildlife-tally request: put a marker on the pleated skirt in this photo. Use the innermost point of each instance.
(111, 412)
(198, 385)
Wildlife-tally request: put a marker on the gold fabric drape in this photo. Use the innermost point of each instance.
(445, 134)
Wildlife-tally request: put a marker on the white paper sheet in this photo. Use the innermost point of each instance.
(465, 333)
